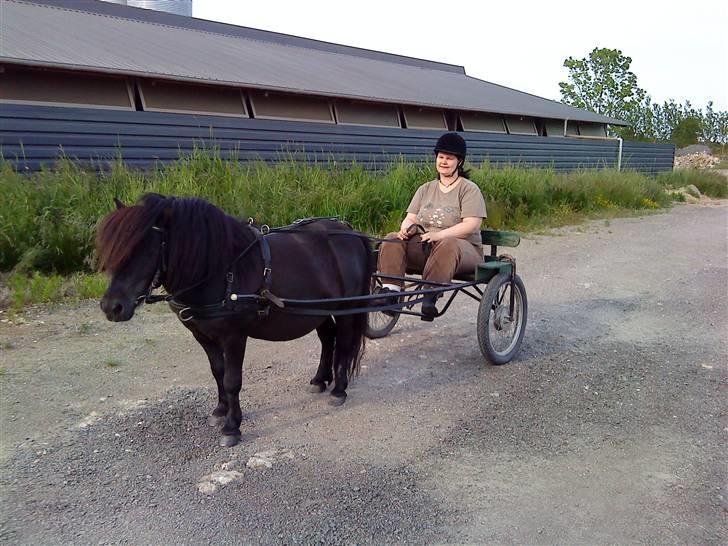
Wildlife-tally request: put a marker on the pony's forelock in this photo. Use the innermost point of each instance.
(118, 235)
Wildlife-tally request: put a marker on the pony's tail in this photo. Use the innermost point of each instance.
(359, 326)
(359, 322)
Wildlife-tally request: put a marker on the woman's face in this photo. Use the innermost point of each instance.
(446, 163)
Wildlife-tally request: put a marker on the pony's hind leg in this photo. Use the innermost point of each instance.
(325, 373)
(348, 351)
(217, 365)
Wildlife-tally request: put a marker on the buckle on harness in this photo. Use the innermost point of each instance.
(185, 319)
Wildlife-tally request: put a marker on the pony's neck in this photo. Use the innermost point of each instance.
(203, 257)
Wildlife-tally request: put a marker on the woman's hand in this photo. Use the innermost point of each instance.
(409, 220)
(431, 237)
(462, 230)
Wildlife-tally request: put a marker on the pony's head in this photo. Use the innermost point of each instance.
(129, 248)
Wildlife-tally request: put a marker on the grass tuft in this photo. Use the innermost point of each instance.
(112, 363)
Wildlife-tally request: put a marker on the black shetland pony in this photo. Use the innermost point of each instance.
(200, 255)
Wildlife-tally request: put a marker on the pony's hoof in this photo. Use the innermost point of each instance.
(215, 420)
(337, 400)
(317, 388)
(229, 440)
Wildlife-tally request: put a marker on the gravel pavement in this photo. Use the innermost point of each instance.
(610, 426)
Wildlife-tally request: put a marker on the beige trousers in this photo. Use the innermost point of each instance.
(447, 258)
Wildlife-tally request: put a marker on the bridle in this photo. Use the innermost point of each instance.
(159, 274)
(264, 294)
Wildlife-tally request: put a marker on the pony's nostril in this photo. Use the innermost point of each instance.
(117, 309)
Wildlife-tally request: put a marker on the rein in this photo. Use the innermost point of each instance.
(236, 304)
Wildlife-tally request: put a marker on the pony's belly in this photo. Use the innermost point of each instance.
(280, 327)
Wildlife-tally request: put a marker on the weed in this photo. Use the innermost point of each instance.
(86, 328)
(710, 183)
(112, 363)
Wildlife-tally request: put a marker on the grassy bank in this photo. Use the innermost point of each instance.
(48, 219)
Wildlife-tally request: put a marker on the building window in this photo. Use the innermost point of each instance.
(165, 96)
(478, 121)
(269, 105)
(592, 129)
(554, 127)
(572, 129)
(365, 113)
(424, 118)
(521, 126)
(28, 86)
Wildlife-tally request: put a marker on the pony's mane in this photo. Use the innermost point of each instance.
(200, 237)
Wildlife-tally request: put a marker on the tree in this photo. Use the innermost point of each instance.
(686, 131)
(603, 83)
(715, 126)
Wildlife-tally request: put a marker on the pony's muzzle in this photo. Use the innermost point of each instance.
(117, 310)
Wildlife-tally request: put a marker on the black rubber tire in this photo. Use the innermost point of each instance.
(377, 327)
(495, 302)
(379, 324)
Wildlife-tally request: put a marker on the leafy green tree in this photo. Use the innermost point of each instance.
(687, 131)
(603, 83)
(715, 126)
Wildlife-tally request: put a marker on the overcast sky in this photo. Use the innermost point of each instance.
(678, 51)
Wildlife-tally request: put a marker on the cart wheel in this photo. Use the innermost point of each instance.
(380, 324)
(500, 335)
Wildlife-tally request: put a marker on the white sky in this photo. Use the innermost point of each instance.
(678, 50)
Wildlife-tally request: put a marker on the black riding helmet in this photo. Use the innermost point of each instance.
(452, 143)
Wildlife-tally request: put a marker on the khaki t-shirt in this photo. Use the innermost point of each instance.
(437, 210)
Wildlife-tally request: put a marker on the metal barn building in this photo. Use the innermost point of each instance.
(94, 80)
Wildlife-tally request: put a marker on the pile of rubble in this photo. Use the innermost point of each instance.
(699, 160)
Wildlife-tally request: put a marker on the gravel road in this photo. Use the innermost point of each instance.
(610, 426)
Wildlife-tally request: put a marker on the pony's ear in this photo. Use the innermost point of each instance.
(118, 203)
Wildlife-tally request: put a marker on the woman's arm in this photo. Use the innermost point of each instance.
(462, 230)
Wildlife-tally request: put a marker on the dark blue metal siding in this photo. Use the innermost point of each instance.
(647, 157)
(32, 136)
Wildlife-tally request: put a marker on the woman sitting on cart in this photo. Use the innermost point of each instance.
(440, 235)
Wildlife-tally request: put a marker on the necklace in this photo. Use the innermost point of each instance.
(450, 184)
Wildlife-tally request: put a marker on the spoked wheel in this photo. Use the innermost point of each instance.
(499, 333)
(379, 324)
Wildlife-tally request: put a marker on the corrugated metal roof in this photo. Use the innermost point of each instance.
(170, 19)
(51, 36)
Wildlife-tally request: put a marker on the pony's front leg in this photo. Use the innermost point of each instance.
(234, 352)
(215, 355)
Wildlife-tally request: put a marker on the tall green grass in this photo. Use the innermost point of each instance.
(48, 219)
(710, 183)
